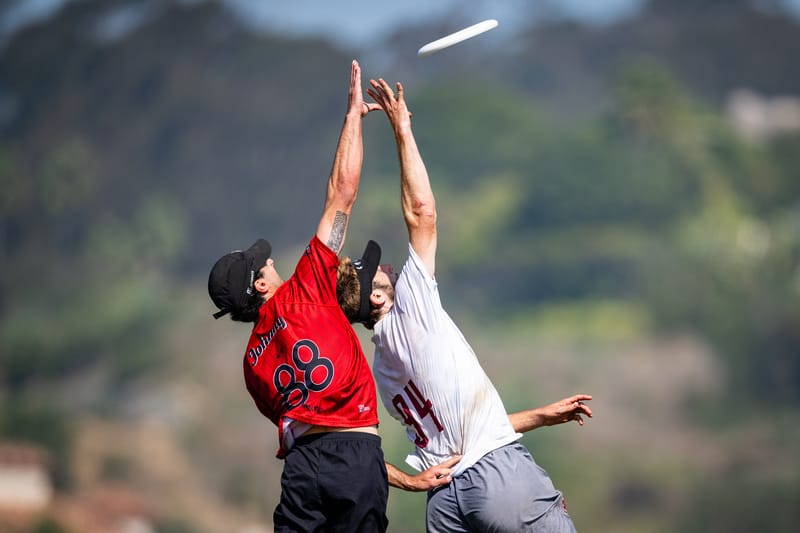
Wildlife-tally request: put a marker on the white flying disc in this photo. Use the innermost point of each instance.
(457, 37)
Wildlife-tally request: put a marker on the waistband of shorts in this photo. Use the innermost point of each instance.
(337, 436)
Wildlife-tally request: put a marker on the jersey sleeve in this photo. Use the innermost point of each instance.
(417, 293)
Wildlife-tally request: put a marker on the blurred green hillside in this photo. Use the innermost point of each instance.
(606, 226)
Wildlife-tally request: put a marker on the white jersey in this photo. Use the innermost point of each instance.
(430, 380)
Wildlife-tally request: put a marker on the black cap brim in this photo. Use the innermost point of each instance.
(259, 252)
(366, 267)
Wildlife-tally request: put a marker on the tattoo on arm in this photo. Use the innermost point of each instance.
(337, 232)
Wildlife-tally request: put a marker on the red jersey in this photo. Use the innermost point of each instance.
(304, 359)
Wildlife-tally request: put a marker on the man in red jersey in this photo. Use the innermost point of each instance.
(304, 366)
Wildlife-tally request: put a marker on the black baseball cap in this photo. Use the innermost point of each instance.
(366, 267)
(230, 282)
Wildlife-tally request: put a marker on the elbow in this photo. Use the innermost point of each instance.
(422, 224)
(419, 212)
(424, 209)
(421, 216)
(426, 215)
(430, 213)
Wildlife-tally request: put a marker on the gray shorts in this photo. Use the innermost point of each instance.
(505, 491)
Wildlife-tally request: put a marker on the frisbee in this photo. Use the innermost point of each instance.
(457, 37)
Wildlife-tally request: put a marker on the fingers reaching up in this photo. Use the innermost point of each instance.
(392, 103)
(356, 103)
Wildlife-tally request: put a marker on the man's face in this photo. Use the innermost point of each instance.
(269, 274)
(383, 287)
(385, 276)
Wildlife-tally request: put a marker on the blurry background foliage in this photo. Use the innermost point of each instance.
(604, 228)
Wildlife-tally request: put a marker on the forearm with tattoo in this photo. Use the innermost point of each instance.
(337, 232)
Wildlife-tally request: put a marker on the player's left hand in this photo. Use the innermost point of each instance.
(567, 410)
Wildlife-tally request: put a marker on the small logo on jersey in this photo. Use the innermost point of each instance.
(363, 408)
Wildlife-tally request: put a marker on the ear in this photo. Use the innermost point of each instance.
(261, 285)
(377, 298)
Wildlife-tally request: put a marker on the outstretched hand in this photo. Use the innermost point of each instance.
(356, 103)
(393, 104)
(566, 410)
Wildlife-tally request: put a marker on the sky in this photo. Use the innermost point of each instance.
(359, 22)
(355, 22)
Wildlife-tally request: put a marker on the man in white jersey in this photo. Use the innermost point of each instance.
(430, 379)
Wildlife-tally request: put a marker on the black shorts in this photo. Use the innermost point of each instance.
(333, 482)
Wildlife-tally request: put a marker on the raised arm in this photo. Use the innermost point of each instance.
(419, 207)
(346, 170)
(565, 410)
